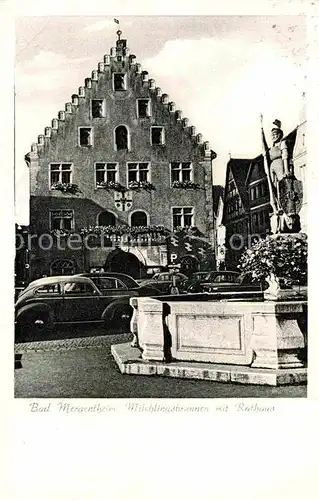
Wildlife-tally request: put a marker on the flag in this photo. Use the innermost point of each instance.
(116, 21)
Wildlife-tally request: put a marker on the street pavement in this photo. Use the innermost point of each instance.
(83, 367)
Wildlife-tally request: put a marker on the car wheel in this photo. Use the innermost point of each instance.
(31, 324)
(121, 319)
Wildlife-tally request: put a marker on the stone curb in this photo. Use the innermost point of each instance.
(129, 361)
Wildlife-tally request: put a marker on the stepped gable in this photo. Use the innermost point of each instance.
(137, 80)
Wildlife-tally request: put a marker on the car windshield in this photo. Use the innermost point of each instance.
(128, 281)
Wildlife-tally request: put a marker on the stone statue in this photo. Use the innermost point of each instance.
(284, 189)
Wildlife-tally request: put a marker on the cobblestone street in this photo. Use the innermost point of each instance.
(83, 367)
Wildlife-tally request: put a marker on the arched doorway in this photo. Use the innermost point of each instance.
(106, 219)
(119, 261)
(189, 264)
(62, 266)
(139, 218)
(121, 137)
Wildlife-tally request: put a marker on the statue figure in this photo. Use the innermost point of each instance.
(284, 189)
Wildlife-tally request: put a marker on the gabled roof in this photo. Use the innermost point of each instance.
(258, 159)
(239, 168)
(218, 192)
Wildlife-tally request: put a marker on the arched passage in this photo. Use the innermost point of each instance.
(106, 219)
(119, 261)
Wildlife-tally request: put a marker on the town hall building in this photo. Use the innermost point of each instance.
(121, 168)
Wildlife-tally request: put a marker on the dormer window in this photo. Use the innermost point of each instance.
(143, 108)
(157, 136)
(85, 136)
(98, 108)
(119, 81)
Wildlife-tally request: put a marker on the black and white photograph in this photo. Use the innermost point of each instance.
(159, 189)
(160, 207)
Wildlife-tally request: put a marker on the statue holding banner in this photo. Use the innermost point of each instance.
(284, 189)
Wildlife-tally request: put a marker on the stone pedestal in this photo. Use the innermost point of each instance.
(150, 330)
(277, 339)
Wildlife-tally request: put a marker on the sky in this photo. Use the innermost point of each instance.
(221, 71)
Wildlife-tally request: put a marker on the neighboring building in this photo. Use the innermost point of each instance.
(236, 210)
(21, 261)
(300, 162)
(258, 193)
(120, 157)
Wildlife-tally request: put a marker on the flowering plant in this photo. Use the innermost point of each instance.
(66, 188)
(283, 256)
(62, 232)
(111, 185)
(123, 230)
(148, 186)
(185, 185)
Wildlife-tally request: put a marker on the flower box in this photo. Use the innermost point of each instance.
(185, 185)
(110, 185)
(137, 185)
(66, 188)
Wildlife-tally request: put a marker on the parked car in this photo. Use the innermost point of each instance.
(224, 281)
(77, 299)
(195, 278)
(164, 281)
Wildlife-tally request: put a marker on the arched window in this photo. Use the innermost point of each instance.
(139, 218)
(121, 138)
(106, 219)
(60, 267)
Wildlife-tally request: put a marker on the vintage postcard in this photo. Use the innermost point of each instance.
(160, 168)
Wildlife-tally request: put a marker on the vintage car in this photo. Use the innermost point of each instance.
(195, 278)
(77, 299)
(164, 281)
(224, 281)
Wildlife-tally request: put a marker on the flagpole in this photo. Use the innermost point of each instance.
(273, 199)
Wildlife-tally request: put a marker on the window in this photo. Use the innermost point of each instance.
(98, 108)
(143, 108)
(139, 218)
(181, 172)
(252, 194)
(157, 136)
(105, 283)
(61, 219)
(183, 217)
(61, 266)
(105, 172)
(85, 136)
(121, 137)
(139, 172)
(119, 81)
(50, 289)
(79, 289)
(60, 173)
(231, 189)
(107, 219)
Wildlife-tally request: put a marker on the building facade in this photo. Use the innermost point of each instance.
(236, 218)
(259, 200)
(300, 162)
(119, 166)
